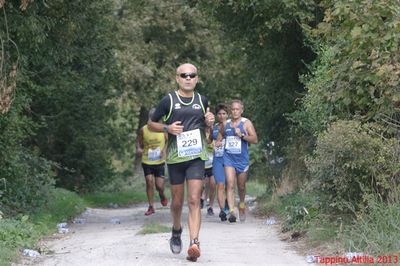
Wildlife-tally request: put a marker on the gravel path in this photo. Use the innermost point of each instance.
(100, 242)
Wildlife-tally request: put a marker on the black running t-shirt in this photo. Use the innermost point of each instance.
(190, 111)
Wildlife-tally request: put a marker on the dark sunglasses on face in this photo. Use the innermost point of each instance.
(185, 75)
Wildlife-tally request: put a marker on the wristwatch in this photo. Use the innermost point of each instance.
(165, 128)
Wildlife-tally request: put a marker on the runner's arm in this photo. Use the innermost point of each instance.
(139, 142)
(210, 135)
(209, 117)
(164, 150)
(220, 136)
(251, 135)
(162, 110)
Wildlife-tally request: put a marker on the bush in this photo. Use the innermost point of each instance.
(17, 233)
(25, 176)
(27, 182)
(350, 163)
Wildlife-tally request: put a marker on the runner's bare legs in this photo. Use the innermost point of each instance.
(221, 195)
(160, 186)
(212, 190)
(230, 175)
(241, 185)
(177, 194)
(194, 187)
(150, 189)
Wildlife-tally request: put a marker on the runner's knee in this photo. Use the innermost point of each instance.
(241, 187)
(149, 181)
(193, 201)
(159, 187)
(229, 186)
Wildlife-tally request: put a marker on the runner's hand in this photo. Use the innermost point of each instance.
(238, 132)
(175, 128)
(209, 117)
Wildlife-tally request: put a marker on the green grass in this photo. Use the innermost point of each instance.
(376, 231)
(63, 206)
(154, 228)
(25, 231)
(270, 205)
(255, 188)
(323, 229)
(373, 231)
(123, 198)
(7, 254)
(134, 191)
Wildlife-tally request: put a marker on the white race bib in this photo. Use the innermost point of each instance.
(189, 143)
(219, 151)
(154, 155)
(233, 145)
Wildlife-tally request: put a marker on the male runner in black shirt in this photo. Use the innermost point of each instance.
(186, 117)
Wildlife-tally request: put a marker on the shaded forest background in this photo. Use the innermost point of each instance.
(318, 78)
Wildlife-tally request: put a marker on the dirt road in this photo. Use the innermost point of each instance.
(100, 242)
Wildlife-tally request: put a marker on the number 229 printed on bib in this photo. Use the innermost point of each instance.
(189, 143)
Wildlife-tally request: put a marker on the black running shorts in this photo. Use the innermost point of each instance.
(157, 170)
(208, 172)
(178, 172)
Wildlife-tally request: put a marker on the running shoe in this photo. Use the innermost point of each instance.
(222, 215)
(232, 218)
(210, 211)
(164, 201)
(175, 242)
(149, 211)
(194, 250)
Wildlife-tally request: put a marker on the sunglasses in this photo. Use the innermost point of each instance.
(185, 75)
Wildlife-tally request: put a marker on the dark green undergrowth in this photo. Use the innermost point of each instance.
(376, 230)
(24, 231)
(300, 214)
(373, 231)
(348, 199)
